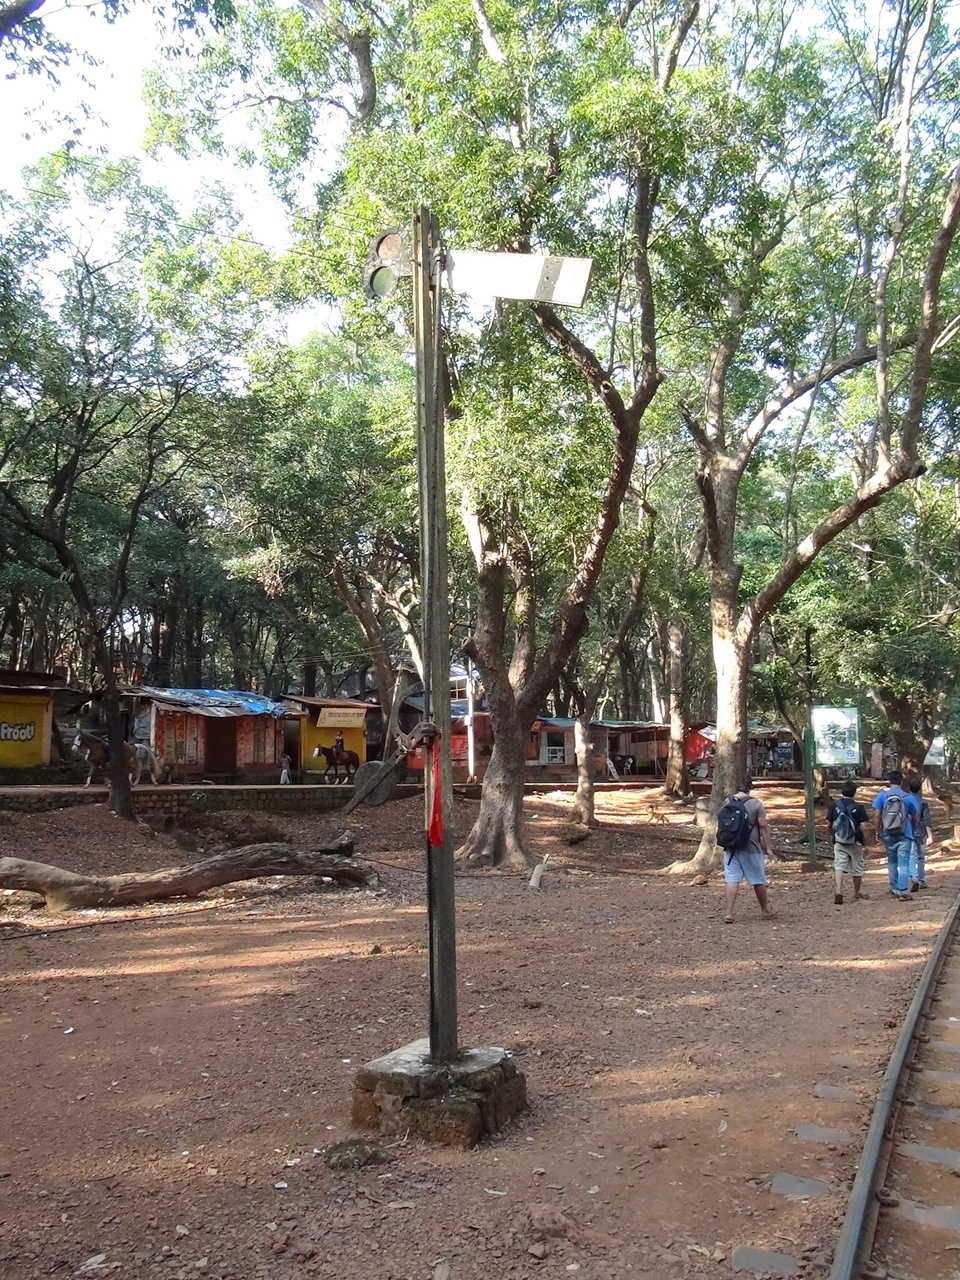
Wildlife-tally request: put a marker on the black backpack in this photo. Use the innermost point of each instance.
(733, 825)
(844, 824)
(923, 822)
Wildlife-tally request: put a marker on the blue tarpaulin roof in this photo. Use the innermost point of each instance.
(214, 702)
(458, 706)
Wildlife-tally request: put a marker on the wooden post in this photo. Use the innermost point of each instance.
(431, 467)
(471, 726)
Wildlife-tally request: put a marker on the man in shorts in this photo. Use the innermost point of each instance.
(747, 863)
(846, 819)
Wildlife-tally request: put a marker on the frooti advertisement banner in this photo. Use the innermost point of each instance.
(22, 738)
(836, 732)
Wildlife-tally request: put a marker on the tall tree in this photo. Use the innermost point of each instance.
(100, 411)
(751, 194)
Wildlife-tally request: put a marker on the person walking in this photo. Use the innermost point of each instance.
(846, 819)
(286, 767)
(922, 826)
(743, 834)
(895, 809)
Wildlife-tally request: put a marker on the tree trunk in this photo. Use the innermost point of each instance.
(153, 666)
(731, 656)
(121, 801)
(677, 781)
(65, 891)
(583, 804)
(15, 614)
(909, 729)
(168, 641)
(112, 717)
(911, 743)
(654, 675)
(496, 838)
(193, 655)
(630, 701)
(360, 604)
(309, 679)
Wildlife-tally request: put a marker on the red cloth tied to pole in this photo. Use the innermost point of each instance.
(435, 828)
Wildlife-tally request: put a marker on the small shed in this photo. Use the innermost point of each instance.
(770, 748)
(638, 747)
(222, 733)
(27, 716)
(324, 718)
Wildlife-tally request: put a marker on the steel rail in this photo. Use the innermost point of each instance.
(855, 1242)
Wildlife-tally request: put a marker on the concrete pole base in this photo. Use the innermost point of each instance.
(454, 1104)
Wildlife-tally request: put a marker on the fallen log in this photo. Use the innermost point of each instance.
(66, 891)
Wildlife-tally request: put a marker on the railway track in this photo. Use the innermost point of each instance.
(903, 1215)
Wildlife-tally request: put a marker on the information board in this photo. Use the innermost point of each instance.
(836, 733)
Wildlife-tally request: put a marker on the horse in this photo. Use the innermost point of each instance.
(335, 757)
(95, 752)
(144, 758)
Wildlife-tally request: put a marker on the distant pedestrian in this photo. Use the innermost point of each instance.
(895, 809)
(743, 834)
(922, 826)
(846, 819)
(286, 770)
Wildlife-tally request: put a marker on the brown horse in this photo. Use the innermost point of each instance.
(94, 751)
(335, 758)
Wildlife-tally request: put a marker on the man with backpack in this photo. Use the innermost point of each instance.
(744, 836)
(895, 810)
(922, 826)
(846, 819)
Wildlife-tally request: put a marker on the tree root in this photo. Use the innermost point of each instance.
(66, 891)
(493, 845)
(692, 867)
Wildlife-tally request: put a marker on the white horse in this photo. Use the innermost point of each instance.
(144, 758)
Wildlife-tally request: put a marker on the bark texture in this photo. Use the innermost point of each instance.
(66, 891)
(517, 686)
(584, 805)
(734, 622)
(677, 780)
(496, 838)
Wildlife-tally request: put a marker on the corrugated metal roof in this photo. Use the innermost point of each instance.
(624, 725)
(217, 703)
(330, 702)
(36, 690)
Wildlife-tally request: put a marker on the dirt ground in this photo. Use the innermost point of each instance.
(172, 1080)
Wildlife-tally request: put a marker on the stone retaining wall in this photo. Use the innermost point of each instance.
(174, 800)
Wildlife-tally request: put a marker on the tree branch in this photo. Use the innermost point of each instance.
(794, 391)
(676, 43)
(580, 355)
(932, 280)
(885, 479)
(14, 15)
(490, 42)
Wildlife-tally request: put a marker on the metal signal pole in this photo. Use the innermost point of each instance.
(562, 281)
(438, 770)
